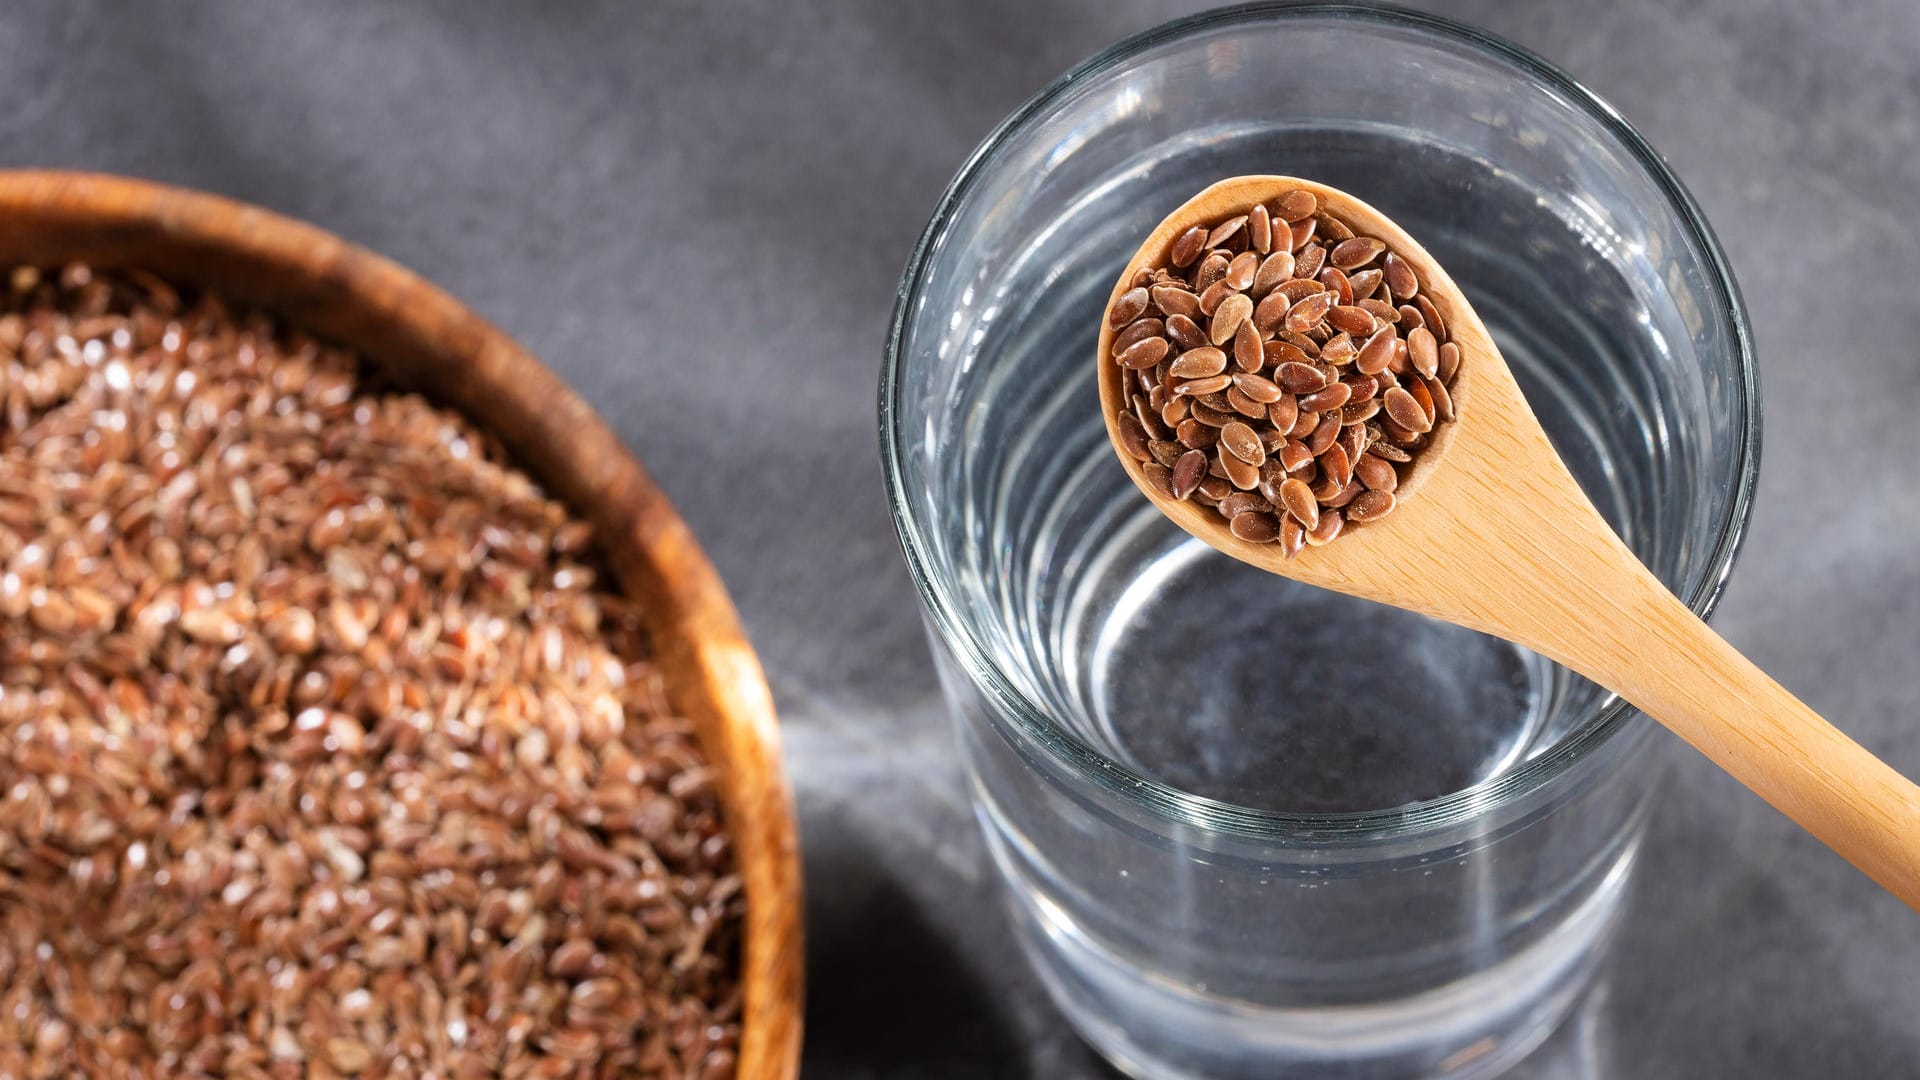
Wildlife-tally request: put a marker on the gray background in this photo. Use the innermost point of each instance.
(697, 212)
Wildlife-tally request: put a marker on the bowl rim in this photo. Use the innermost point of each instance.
(1118, 781)
(563, 443)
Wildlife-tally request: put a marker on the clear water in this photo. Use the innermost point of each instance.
(1220, 679)
(1227, 682)
(1190, 941)
(1300, 700)
(1140, 1022)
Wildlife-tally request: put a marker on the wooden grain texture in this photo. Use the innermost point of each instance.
(1493, 533)
(422, 338)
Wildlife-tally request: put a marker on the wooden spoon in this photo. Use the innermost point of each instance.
(1493, 533)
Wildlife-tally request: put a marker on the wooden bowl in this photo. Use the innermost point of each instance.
(426, 340)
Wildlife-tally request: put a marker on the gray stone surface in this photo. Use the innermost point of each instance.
(697, 212)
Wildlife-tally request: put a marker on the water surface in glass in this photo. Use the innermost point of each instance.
(1218, 678)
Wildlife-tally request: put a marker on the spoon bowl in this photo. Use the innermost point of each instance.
(1491, 531)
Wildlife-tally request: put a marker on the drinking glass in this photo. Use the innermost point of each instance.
(1250, 828)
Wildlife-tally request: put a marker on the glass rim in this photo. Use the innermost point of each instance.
(1215, 815)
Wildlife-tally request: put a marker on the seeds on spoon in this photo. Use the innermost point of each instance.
(1282, 370)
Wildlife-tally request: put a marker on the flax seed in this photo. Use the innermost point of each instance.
(1255, 527)
(1274, 269)
(1144, 353)
(1228, 317)
(1327, 530)
(1422, 351)
(1309, 260)
(1399, 277)
(1244, 405)
(1226, 230)
(1297, 499)
(1129, 307)
(1296, 205)
(1363, 283)
(1174, 300)
(1329, 397)
(1239, 440)
(1260, 229)
(1198, 363)
(1376, 472)
(1186, 333)
(1188, 471)
(1307, 314)
(1404, 410)
(1241, 474)
(1372, 505)
(1377, 353)
(1356, 253)
(1240, 272)
(1188, 247)
(1137, 331)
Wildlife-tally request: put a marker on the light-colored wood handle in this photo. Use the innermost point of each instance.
(1665, 660)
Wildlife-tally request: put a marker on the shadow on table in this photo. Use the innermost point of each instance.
(1737, 969)
(886, 995)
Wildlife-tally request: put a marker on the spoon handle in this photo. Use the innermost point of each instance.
(1665, 660)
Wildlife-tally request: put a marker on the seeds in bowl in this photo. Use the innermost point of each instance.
(1282, 370)
(328, 748)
